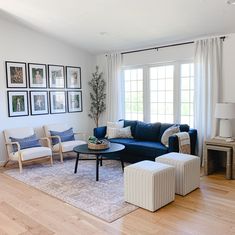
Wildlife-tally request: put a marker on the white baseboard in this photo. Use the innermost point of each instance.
(2, 163)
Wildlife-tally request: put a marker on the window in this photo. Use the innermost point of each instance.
(133, 94)
(167, 90)
(187, 94)
(161, 94)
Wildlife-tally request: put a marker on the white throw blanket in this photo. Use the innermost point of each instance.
(184, 142)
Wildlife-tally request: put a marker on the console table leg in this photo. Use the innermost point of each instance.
(97, 167)
(76, 164)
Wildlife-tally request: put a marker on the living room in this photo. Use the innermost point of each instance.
(159, 139)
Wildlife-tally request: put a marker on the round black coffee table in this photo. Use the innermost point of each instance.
(83, 149)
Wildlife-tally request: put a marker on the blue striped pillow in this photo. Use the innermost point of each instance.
(67, 135)
(25, 143)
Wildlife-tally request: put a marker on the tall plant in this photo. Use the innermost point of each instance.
(97, 96)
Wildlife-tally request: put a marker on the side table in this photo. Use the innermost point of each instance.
(221, 146)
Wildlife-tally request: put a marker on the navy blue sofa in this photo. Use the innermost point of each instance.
(146, 144)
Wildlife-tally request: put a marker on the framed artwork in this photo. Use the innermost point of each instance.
(17, 103)
(73, 77)
(39, 102)
(16, 74)
(74, 101)
(37, 75)
(57, 102)
(56, 76)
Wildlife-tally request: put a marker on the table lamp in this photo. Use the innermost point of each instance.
(225, 112)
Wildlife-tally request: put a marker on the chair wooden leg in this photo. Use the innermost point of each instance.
(51, 160)
(5, 164)
(61, 157)
(20, 166)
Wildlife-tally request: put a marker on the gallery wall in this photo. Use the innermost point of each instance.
(20, 43)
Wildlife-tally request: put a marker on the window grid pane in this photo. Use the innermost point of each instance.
(133, 85)
(161, 94)
(187, 94)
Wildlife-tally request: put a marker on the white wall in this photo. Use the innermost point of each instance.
(228, 88)
(18, 43)
(168, 54)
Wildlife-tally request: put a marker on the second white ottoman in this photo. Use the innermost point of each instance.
(187, 171)
(149, 185)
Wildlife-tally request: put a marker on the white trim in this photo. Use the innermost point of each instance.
(146, 86)
(2, 163)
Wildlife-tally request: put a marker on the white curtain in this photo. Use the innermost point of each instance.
(208, 72)
(114, 87)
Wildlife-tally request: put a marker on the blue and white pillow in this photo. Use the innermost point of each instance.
(25, 143)
(67, 135)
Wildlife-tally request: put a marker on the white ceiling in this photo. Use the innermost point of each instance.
(107, 25)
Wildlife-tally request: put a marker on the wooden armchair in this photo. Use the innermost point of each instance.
(15, 153)
(67, 146)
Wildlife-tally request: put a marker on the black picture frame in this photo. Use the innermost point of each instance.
(69, 106)
(50, 78)
(10, 104)
(50, 100)
(40, 66)
(69, 84)
(32, 105)
(9, 82)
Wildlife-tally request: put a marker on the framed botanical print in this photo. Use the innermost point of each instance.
(57, 102)
(17, 103)
(56, 76)
(16, 74)
(37, 75)
(74, 101)
(73, 77)
(39, 102)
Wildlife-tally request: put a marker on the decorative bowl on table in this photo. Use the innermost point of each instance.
(95, 144)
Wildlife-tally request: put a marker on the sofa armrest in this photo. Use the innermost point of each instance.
(174, 142)
(193, 140)
(100, 132)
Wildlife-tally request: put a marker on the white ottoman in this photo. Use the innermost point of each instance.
(187, 171)
(149, 185)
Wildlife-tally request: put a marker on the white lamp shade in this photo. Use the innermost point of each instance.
(225, 110)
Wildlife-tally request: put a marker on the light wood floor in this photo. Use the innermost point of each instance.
(208, 210)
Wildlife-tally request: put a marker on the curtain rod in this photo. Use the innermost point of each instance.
(165, 46)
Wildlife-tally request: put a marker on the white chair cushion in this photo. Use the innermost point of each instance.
(68, 145)
(31, 153)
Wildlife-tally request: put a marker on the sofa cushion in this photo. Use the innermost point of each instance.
(125, 141)
(147, 148)
(132, 124)
(147, 131)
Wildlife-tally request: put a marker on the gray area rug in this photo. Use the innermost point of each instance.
(104, 199)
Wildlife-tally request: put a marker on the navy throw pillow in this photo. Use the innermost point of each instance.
(25, 143)
(67, 135)
(147, 131)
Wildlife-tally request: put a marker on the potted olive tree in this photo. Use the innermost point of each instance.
(97, 96)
